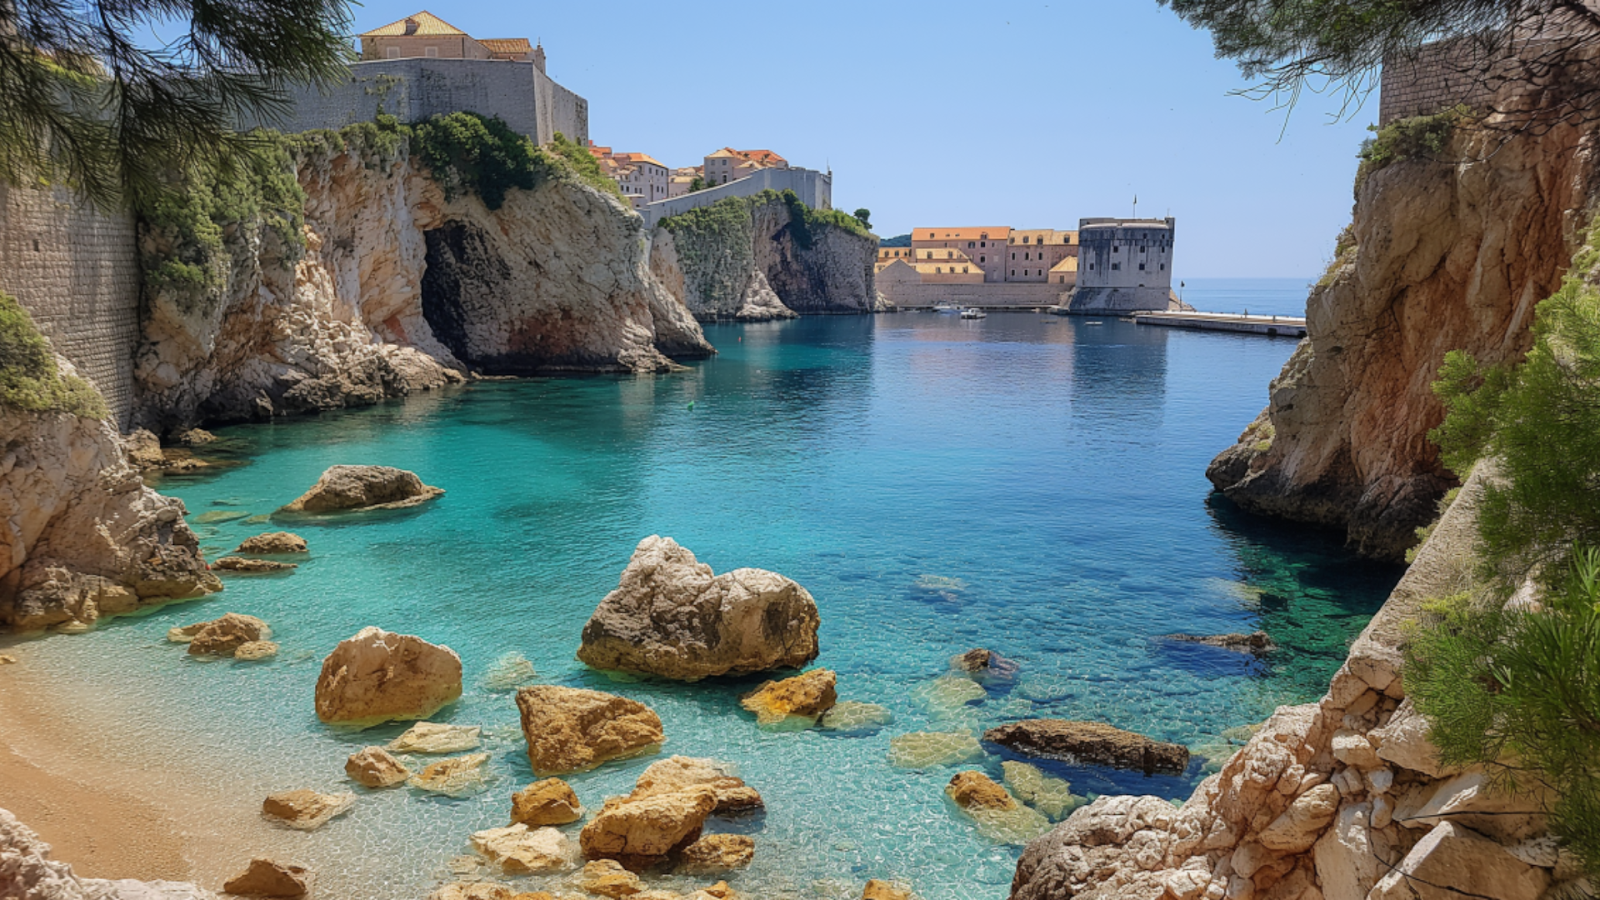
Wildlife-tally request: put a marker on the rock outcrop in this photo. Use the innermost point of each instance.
(81, 537)
(28, 873)
(305, 809)
(265, 878)
(1438, 258)
(647, 828)
(276, 543)
(547, 802)
(681, 773)
(520, 850)
(1090, 743)
(574, 730)
(375, 767)
(670, 616)
(224, 636)
(1256, 643)
(750, 260)
(1343, 799)
(377, 676)
(396, 290)
(803, 698)
(239, 565)
(717, 853)
(347, 488)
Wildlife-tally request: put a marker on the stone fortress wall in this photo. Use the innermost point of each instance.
(815, 189)
(1438, 77)
(75, 269)
(415, 88)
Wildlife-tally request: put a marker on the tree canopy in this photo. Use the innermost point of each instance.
(90, 98)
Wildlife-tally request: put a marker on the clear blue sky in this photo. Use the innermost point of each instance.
(1024, 114)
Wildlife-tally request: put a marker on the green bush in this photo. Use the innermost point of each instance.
(466, 151)
(1417, 137)
(29, 379)
(585, 166)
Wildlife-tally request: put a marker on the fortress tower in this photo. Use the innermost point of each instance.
(1124, 265)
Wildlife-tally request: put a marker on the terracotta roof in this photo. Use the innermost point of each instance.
(508, 46)
(725, 151)
(422, 24)
(761, 156)
(960, 234)
(639, 158)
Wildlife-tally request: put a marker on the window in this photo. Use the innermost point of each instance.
(949, 254)
(1013, 273)
(1115, 249)
(1024, 256)
(983, 244)
(1091, 267)
(1013, 256)
(963, 270)
(431, 52)
(937, 270)
(1141, 267)
(1163, 267)
(1061, 279)
(983, 259)
(1116, 267)
(1024, 239)
(392, 52)
(969, 245)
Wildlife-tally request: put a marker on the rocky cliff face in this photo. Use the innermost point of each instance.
(80, 534)
(751, 260)
(1343, 799)
(398, 289)
(1445, 256)
(28, 873)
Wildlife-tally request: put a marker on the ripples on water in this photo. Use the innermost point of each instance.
(1024, 483)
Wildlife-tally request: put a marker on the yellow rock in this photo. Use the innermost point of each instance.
(433, 737)
(608, 878)
(253, 651)
(519, 850)
(374, 767)
(473, 890)
(717, 853)
(377, 676)
(885, 890)
(679, 773)
(805, 696)
(1048, 794)
(974, 789)
(648, 827)
(457, 776)
(306, 810)
(547, 802)
(265, 878)
(922, 749)
(573, 730)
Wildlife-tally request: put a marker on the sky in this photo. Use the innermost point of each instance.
(1028, 114)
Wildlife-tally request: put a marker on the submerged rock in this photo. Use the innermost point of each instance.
(670, 616)
(1090, 743)
(547, 802)
(852, 717)
(997, 814)
(377, 676)
(717, 853)
(276, 543)
(519, 850)
(804, 697)
(306, 810)
(363, 488)
(973, 788)
(221, 637)
(476, 890)
(878, 889)
(458, 776)
(254, 651)
(950, 696)
(649, 827)
(574, 730)
(681, 773)
(433, 737)
(239, 565)
(509, 672)
(973, 660)
(608, 878)
(265, 878)
(1046, 793)
(375, 767)
(923, 749)
(1257, 643)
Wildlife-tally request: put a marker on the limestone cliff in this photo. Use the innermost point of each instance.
(389, 287)
(28, 873)
(1343, 799)
(765, 257)
(1440, 257)
(80, 534)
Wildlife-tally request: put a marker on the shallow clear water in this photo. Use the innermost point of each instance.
(1024, 483)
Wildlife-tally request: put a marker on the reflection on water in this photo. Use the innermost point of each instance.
(1024, 483)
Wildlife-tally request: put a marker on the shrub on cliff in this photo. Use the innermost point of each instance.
(1417, 137)
(29, 379)
(468, 151)
(585, 166)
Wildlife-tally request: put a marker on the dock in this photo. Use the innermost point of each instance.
(1272, 326)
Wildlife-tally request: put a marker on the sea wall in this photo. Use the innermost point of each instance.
(907, 295)
(76, 271)
(1343, 799)
(1440, 256)
(751, 259)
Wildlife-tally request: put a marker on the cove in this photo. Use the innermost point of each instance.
(1029, 484)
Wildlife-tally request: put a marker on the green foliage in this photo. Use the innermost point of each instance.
(87, 100)
(583, 164)
(467, 151)
(864, 216)
(258, 187)
(697, 184)
(899, 240)
(29, 379)
(1518, 690)
(1418, 137)
(1426, 531)
(1540, 421)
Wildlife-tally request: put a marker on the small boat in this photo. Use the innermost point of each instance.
(945, 308)
(974, 313)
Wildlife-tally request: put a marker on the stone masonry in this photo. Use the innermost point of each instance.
(76, 270)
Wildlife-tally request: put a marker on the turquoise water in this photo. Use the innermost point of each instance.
(1025, 483)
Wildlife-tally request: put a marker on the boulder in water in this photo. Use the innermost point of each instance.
(239, 565)
(221, 637)
(852, 717)
(681, 773)
(1256, 643)
(377, 676)
(520, 850)
(997, 814)
(717, 853)
(344, 488)
(509, 672)
(924, 749)
(670, 616)
(276, 543)
(649, 827)
(547, 802)
(433, 737)
(306, 810)
(574, 730)
(254, 651)
(265, 878)
(804, 697)
(608, 878)
(375, 767)
(458, 776)
(972, 788)
(878, 889)
(1090, 743)
(1049, 795)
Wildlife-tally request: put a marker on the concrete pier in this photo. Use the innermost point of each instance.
(1272, 326)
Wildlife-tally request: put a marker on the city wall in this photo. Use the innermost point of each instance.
(815, 189)
(907, 295)
(413, 89)
(76, 271)
(1436, 78)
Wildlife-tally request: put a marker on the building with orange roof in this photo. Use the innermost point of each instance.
(728, 164)
(426, 35)
(643, 178)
